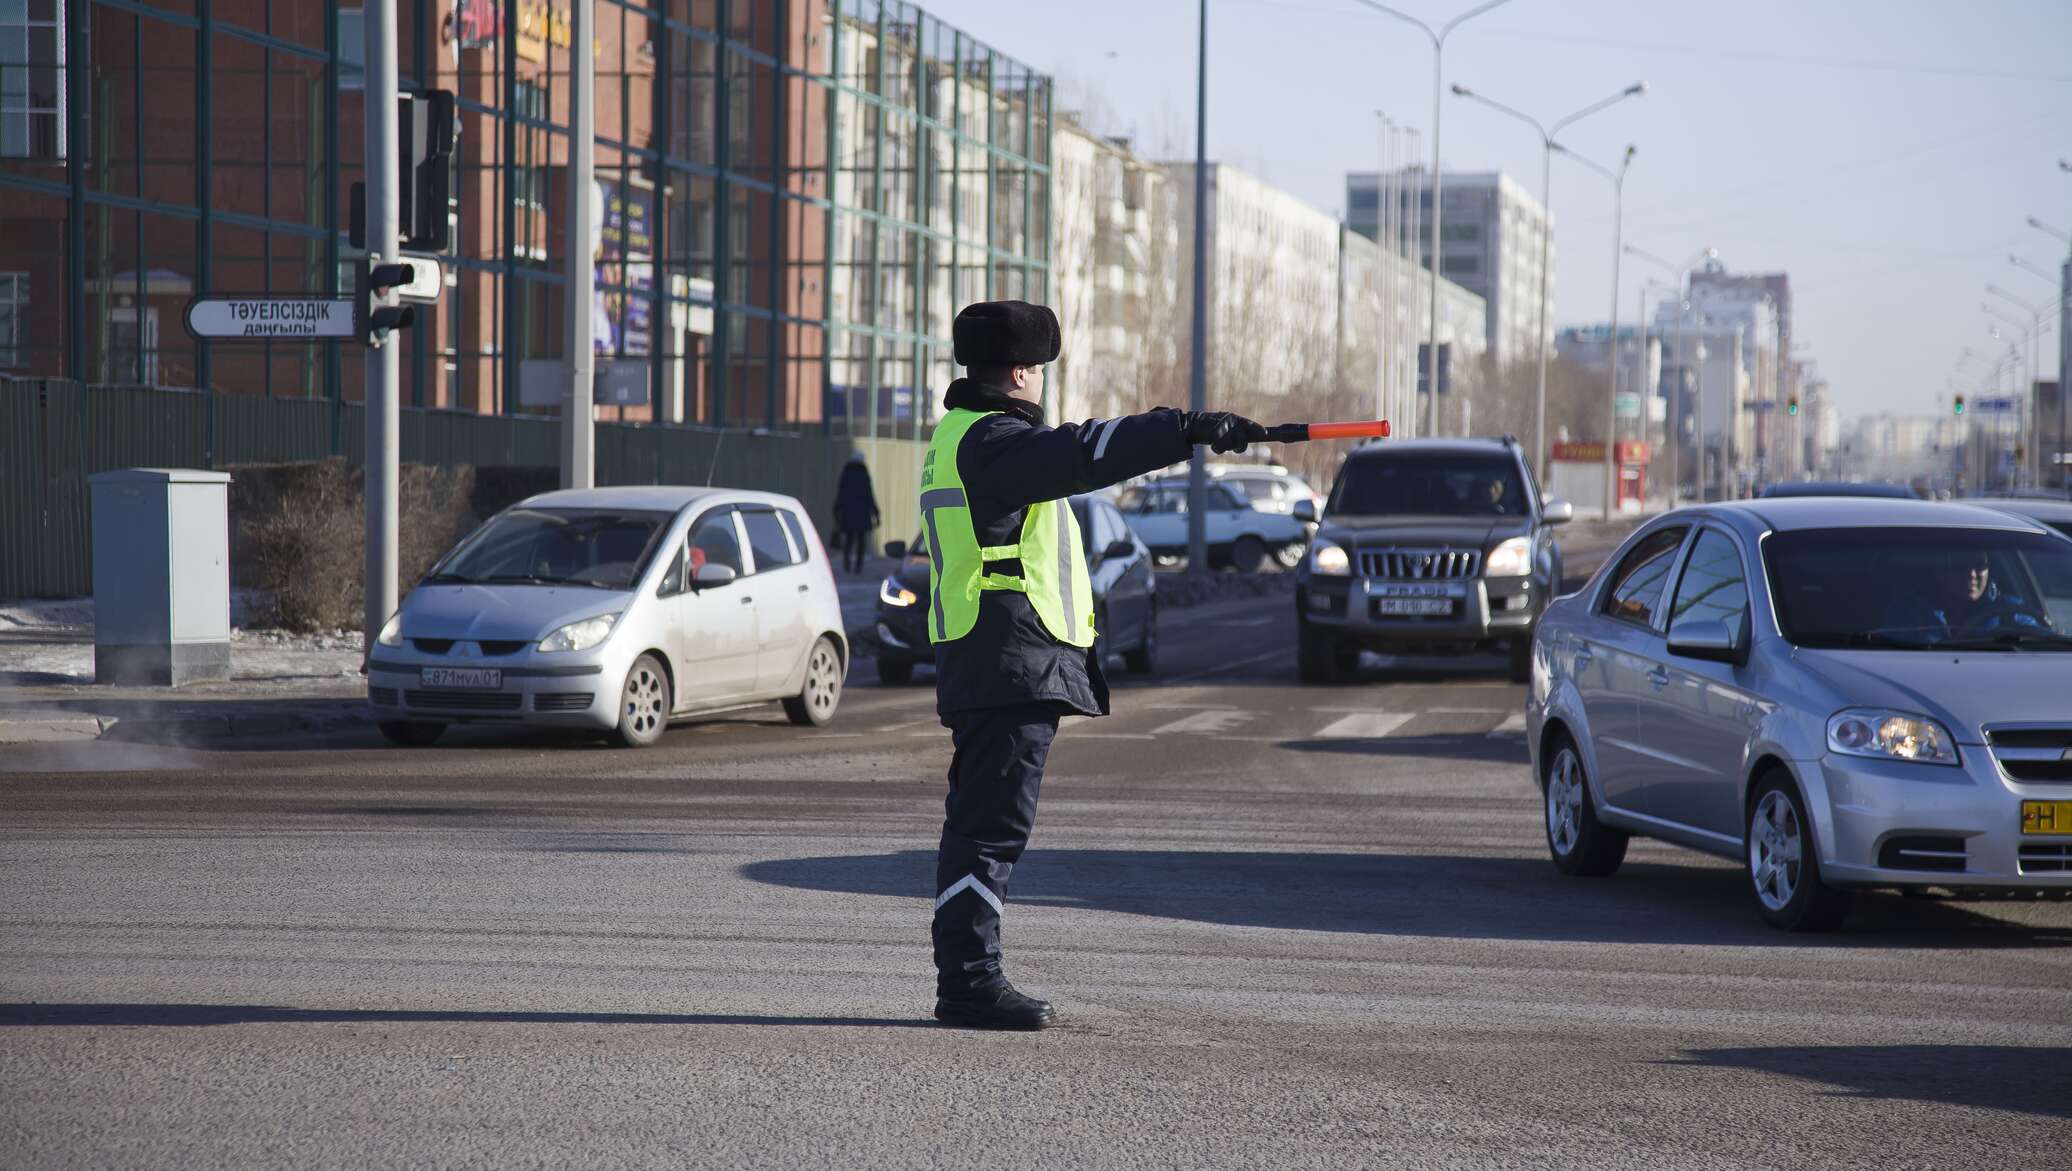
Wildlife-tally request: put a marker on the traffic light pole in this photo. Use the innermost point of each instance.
(383, 425)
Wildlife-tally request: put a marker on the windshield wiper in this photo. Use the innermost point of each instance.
(526, 578)
(448, 579)
(2025, 638)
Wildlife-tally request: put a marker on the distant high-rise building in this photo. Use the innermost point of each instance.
(1493, 230)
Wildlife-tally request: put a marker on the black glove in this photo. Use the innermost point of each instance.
(1223, 431)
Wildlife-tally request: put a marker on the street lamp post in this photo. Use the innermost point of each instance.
(1197, 350)
(1611, 431)
(1683, 273)
(1438, 38)
(1547, 148)
(2034, 329)
(2029, 340)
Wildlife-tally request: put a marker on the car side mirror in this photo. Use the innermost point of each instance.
(1306, 511)
(714, 575)
(1710, 640)
(1558, 512)
(896, 550)
(1117, 550)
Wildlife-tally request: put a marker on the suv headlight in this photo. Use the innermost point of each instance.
(1890, 735)
(1329, 559)
(892, 593)
(580, 636)
(1512, 558)
(392, 630)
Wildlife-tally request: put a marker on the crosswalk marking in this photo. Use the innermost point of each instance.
(1365, 726)
(1513, 725)
(1206, 723)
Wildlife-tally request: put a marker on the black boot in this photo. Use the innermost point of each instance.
(994, 1008)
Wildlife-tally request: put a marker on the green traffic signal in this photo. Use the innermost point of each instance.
(1957, 405)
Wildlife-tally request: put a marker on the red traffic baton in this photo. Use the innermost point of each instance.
(1304, 432)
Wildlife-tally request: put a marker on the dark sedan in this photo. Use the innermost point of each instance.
(1838, 488)
(1125, 600)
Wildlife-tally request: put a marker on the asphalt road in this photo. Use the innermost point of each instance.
(1283, 925)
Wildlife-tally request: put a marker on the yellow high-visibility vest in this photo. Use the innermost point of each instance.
(1052, 558)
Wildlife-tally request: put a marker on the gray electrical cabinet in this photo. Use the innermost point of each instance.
(161, 576)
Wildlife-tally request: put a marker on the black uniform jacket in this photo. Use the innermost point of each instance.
(1008, 462)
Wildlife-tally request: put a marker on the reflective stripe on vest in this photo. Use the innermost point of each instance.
(1051, 553)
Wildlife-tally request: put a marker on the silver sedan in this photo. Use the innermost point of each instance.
(616, 610)
(1838, 693)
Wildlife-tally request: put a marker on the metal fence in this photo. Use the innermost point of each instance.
(55, 433)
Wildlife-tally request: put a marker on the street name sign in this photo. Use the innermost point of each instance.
(263, 319)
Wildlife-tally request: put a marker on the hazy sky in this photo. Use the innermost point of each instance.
(1885, 153)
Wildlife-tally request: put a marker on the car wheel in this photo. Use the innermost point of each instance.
(1580, 844)
(1323, 657)
(643, 703)
(1521, 660)
(1290, 555)
(411, 733)
(1784, 866)
(815, 703)
(1247, 554)
(1144, 660)
(895, 672)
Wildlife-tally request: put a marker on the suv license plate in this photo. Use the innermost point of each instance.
(489, 677)
(1419, 606)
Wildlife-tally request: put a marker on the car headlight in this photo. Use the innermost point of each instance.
(1329, 558)
(392, 631)
(892, 593)
(1512, 558)
(580, 636)
(1889, 735)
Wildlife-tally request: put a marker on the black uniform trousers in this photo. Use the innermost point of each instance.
(995, 774)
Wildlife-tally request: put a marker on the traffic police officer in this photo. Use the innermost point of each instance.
(1011, 617)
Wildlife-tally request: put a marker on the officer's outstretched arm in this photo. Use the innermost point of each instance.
(1024, 465)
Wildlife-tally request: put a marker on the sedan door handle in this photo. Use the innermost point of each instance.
(1584, 657)
(1659, 678)
(746, 600)
(803, 588)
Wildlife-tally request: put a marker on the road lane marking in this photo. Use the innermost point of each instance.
(1205, 723)
(1365, 726)
(1513, 725)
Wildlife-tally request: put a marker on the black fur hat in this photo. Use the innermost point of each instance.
(1005, 333)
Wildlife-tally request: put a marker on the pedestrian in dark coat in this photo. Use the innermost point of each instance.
(856, 513)
(1011, 618)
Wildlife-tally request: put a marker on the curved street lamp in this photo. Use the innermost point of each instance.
(1547, 148)
(1611, 433)
(1438, 38)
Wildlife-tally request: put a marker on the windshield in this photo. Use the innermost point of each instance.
(608, 549)
(1913, 588)
(1429, 485)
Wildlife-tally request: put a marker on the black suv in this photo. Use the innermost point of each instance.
(1428, 546)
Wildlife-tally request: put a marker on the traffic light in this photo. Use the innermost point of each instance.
(1957, 405)
(1791, 405)
(371, 283)
(426, 130)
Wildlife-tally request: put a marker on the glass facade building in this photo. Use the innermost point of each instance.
(796, 196)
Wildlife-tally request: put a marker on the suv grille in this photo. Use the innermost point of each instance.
(1420, 564)
(2033, 754)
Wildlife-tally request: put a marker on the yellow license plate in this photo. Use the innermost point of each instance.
(2047, 817)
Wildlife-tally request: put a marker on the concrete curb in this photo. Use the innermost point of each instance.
(71, 727)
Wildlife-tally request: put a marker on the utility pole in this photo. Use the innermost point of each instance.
(1198, 378)
(384, 428)
(578, 414)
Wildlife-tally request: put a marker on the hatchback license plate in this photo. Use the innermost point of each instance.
(489, 677)
(2047, 817)
(1413, 606)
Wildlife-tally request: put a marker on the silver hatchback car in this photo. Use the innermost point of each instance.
(1840, 693)
(616, 610)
